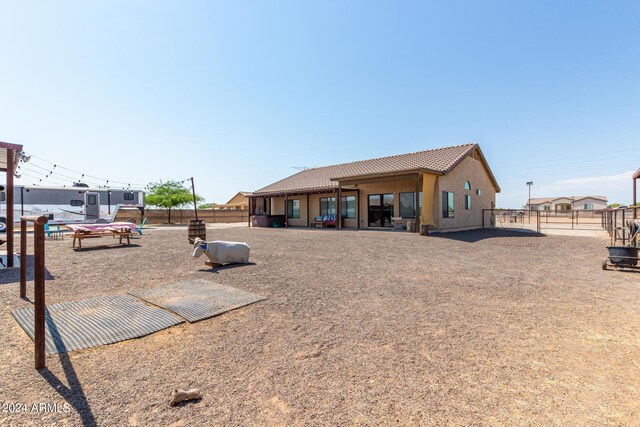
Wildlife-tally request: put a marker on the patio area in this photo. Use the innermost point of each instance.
(359, 327)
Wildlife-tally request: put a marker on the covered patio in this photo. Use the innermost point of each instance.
(9, 158)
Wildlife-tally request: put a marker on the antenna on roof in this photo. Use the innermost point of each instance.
(302, 168)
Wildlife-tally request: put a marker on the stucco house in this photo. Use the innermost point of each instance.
(567, 203)
(238, 202)
(445, 188)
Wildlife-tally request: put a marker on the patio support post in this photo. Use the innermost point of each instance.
(9, 206)
(286, 211)
(417, 203)
(358, 207)
(308, 223)
(339, 206)
(250, 207)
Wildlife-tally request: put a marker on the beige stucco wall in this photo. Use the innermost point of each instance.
(395, 187)
(597, 203)
(471, 170)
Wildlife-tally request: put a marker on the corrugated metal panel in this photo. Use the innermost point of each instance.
(197, 299)
(96, 321)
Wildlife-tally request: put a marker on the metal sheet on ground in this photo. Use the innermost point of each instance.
(197, 299)
(96, 321)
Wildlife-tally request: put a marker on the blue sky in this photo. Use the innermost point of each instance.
(238, 93)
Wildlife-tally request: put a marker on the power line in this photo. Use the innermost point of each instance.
(55, 165)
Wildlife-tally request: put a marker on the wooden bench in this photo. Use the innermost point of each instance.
(86, 234)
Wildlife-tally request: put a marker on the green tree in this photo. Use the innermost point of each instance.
(170, 194)
(207, 205)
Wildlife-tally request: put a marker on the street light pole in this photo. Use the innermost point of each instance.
(529, 184)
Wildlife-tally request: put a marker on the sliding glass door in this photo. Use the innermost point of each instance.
(380, 210)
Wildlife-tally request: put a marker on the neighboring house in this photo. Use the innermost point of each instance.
(238, 202)
(566, 204)
(446, 188)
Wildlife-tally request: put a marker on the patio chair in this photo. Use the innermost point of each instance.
(139, 229)
(53, 233)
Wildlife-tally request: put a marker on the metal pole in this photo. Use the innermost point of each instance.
(624, 238)
(193, 190)
(23, 258)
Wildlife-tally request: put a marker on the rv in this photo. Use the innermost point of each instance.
(70, 205)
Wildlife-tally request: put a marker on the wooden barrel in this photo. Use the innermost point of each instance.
(197, 228)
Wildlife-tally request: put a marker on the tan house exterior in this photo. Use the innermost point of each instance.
(238, 202)
(381, 193)
(567, 203)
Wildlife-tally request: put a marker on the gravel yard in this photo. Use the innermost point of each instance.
(360, 327)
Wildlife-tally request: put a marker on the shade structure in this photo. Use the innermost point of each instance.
(4, 148)
(9, 157)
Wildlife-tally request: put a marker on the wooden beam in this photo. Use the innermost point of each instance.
(39, 291)
(358, 208)
(9, 205)
(418, 210)
(23, 258)
(405, 177)
(339, 207)
(286, 211)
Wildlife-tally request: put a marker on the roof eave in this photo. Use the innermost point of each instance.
(385, 174)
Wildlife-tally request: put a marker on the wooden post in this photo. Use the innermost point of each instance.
(9, 205)
(358, 207)
(308, 213)
(286, 211)
(193, 190)
(623, 228)
(39, 291)
(339, 207)
(417, 202)
(248, 212)
(23, 258)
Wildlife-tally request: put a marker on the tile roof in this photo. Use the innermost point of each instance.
(439, 161)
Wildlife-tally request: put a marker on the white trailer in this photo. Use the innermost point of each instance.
(71, 205)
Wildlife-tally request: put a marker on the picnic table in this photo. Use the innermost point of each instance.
(115, 229)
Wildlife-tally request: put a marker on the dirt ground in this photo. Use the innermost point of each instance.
(359, 328)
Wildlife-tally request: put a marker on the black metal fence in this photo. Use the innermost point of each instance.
(511, 219)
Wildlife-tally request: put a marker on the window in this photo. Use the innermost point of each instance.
(327, 205)
(533, 207)
(293, 208)
(547, 207)
(467, 202)
(3, 197)
(348, 207)
(467, 185)
(588, 206)
(478, 192)
(447, 204)
(77, 203)
(380, 210)
(92, 199)
(128, 196)
(408, 205)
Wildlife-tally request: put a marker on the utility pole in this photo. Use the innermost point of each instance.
(195, 206)
(529, 184)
